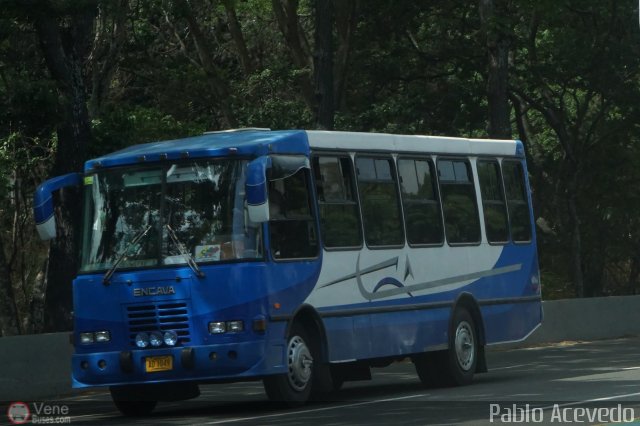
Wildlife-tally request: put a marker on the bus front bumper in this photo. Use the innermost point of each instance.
(223, 362)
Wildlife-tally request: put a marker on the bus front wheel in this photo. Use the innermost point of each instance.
(129, 403)
(294, 387)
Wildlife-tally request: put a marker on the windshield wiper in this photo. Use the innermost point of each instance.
(190, 261)
(123, 255)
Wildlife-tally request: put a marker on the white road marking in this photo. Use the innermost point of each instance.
(508, 367)
(314, 410)
(587, 401)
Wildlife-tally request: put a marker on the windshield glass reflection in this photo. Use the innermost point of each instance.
(203, 202)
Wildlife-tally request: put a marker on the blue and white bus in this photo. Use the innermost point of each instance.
(300, 258)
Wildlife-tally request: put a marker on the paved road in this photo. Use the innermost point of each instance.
(571, 379)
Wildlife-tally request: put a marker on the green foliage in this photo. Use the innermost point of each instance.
(412, 67)
(119, 128)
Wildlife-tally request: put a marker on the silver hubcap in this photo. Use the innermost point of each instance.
(465, 346)
(300, 363)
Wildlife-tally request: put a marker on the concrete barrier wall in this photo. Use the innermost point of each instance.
(35, 366)
(38, 366)
(588, 319)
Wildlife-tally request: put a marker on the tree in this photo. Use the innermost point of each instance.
(65, 33)
(323, 64)
(573, 71)
(494, 16)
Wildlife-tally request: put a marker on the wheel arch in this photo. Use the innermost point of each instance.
(467, 301)
(309, 317)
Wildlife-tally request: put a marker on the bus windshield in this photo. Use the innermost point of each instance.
(202, 203)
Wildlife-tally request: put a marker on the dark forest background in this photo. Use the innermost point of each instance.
(79, 78)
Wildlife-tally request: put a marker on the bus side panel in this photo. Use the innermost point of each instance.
(347, 337)
(400, 333)
(513, 322)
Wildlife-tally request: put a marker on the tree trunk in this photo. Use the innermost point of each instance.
(238, 37)
(214, 74)
(9, 324)
(65, 52)
(634, 273)
(286, 13)
(323, 64)
(106, 52)
(491, 11)
(345, 17)
(576, 241)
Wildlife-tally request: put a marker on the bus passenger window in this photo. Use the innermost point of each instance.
(380, 202)
(291, 223)
(495, 212)
(517, 201)
(461, 220)
(339, 215)
(420, 201)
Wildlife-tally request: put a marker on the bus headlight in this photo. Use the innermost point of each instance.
(170, 338)
(95, 337)
(102, 336)
(142, 340)
(155, 339)
(86, 338)
(217, 327)
(235, 326)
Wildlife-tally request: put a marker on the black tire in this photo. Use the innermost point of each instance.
(455, 366)
(429, 367)
(326, 380)
(126, 403)
(338, 380)
(294, 387)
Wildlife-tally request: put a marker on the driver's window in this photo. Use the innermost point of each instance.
(291, 224)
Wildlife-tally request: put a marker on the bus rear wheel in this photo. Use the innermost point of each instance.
(455, 366)
(294, 387)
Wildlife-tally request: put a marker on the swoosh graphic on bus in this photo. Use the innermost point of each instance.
(415, 287)
(388, 281)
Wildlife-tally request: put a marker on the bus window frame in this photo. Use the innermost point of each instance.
(431, 161)
(386, 156)
(354, 183)
(467, 161)
(527, 200)
(494, 160)
(314, 220)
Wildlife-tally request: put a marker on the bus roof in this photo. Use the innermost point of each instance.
(256, 142)
(250, 142)
(413, 144)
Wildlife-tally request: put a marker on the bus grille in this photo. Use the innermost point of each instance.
(161, 317)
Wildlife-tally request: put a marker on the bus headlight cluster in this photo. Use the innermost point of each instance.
(219, 327)
(156, 339)
(95, 337)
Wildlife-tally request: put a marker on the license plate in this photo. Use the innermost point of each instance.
(158, 363)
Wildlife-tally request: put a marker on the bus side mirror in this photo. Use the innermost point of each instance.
(256, 189)
(43, 203)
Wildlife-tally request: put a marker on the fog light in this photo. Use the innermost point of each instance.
(217, 327)
(102, 336)
(170, 338)
(235, 326)
(102, 364)
(155, 339)
(86, 338)
(142, 340)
